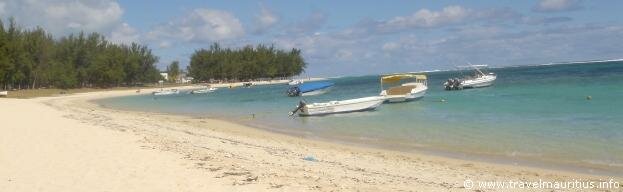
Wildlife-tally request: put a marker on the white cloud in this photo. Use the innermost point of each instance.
(311, 24)
(201, 25)
(61, 17)
(390, 46)
(343, 54)
(265, 20)
(164, 44)
(557, 5)
(124, 34)
(425, 18)
(2, 11)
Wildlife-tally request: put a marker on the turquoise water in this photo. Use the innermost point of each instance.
(534, 113)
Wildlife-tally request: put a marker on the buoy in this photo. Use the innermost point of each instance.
(589, 97)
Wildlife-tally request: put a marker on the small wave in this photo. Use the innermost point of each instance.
(603, 163)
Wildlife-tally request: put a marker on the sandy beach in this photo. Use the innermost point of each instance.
(69, 143)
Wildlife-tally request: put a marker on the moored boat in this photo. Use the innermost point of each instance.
(295, 82)
(166, 92)
(4, 93)
(309, 89)
(407, 87)
(480, 78)
(247, 84)
(342, 106)
(204, 90)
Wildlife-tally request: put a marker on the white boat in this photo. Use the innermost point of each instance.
(4, 93)
(309, 89)
(205, 90)
(479, 79)
(295, 82)
(166, 92)
(409, 87)
(343, 106)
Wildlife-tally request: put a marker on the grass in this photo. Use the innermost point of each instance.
(33, 93)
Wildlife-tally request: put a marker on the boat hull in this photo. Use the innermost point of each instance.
(295, 82)
(476, 83)
(405, 98)
(202, 91)
(166, 92)
(345, 106)
(316, 92)
(414, 94)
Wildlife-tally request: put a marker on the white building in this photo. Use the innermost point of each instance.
(165, 76)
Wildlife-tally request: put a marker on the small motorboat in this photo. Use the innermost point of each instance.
(343, 106)
(479, 79)
(162, 92)
(295, 82)
(4, 93)
(247, 84)
(408, 87)
(308, 89)
(204, 90)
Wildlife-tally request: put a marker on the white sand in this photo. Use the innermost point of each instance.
(70, 144)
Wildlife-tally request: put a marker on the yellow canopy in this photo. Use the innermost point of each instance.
(398, 77)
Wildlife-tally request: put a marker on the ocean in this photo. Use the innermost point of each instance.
(535, 115)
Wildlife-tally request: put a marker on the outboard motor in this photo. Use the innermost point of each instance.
(455, 84)
(449, 84)
(294, 91)
(298, 107)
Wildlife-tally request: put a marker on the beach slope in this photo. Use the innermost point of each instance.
(72, 144)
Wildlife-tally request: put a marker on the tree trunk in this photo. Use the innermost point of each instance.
(34, 80)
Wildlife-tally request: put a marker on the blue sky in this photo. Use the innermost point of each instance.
(350, 37)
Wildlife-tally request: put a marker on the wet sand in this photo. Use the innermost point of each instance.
(70, 143)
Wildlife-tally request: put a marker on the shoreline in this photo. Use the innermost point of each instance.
(230, 153)
(528, 162)
(419, 151)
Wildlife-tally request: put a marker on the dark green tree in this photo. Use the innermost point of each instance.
(33, 59)
(173, 71)
(247, 63)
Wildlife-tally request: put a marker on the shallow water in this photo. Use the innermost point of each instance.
(531, 113)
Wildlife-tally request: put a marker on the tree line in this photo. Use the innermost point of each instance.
(244, 64)
(35, 59)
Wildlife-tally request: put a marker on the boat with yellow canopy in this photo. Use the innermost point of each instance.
(403, 87)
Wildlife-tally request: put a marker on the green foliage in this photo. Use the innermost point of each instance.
(173, 71)
(246, 63)
(33, 59)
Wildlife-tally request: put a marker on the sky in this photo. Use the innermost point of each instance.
(358, 37)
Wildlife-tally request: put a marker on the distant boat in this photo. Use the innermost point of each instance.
(410, 87)
(247, 84)
(204, 90)
(166, 92)
(343, 106)
(4, 93)
(295, 82)
(308, 89)
(479, 79)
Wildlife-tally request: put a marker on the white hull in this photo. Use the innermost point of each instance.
(201, 91)
(4, 93)
(295, 82)
(316, 92)
(416, 93)
(344, 106)
(166, 92)
(483, 81)
(406, 97)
